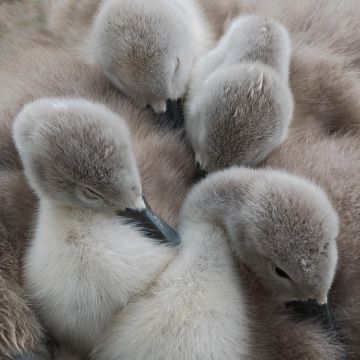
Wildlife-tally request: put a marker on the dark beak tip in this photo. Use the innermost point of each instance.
(200, 174)
(152, 225)
(173, 117)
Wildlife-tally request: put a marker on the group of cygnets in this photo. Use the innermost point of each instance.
(107, 277)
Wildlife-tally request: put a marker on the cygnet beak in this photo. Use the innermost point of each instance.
(200, 174)
(151, 224)
(173, 118)
(312, 309)
(200, 161)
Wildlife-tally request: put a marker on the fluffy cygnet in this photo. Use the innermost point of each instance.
(196, 309)
(240, 105)
(147, 48)
(281, 226)
(84, 263)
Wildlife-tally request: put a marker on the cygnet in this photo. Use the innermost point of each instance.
(147, 48)
(280, 226)
(84, 262)
(239, 105)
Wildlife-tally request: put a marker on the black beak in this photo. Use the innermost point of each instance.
(310, 309)
(173, 118)
(152, 225)
(200, 174)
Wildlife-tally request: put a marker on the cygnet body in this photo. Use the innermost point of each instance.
(197, 307)
(147, 48)
(84, 262)
(239, 92)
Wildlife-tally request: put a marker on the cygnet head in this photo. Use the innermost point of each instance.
(146, 49)
(239, 117)
(78, 154)
(282, 227)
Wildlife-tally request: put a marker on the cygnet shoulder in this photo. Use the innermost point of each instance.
(84, 262)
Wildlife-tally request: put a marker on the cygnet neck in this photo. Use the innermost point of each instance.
(63, 217)
(211, 204)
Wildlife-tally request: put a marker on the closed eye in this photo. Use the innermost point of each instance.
(281, 273)
(91, 195)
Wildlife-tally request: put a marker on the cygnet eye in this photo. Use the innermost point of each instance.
(90, 194)
(281, 273)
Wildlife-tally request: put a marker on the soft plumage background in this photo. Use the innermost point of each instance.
(19, 16)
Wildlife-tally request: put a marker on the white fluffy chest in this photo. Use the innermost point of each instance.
(82, 267)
